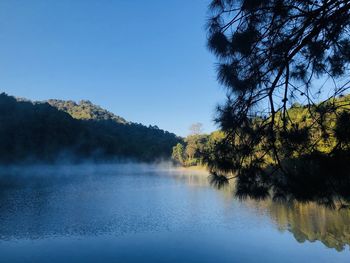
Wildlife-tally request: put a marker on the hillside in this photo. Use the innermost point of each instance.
(313, 151)
(42, 132)
(85, 110)
(321, 133)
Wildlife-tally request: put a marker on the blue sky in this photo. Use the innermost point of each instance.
(143, 60)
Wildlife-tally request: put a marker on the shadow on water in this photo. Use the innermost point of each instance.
(172, 215)
(306, 221)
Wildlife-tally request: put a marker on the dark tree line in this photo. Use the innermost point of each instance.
(40, 132)
(273, 54)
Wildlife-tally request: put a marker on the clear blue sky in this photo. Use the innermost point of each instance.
(145, 60)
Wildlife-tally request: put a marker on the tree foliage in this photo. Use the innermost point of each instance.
(274, 54)
(196, 149)
(85, 110)
(40, 132)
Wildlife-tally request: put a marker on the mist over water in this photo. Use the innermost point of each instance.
(132, 212)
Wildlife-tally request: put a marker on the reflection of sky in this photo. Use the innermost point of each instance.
(137, 212)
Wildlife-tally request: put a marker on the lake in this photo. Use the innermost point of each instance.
(155, 213)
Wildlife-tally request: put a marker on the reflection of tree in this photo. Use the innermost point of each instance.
(306, 221)
(312, 222)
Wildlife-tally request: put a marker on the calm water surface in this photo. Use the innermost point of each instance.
(140, 213)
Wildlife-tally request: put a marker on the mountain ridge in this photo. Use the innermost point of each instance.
(39, 131)
(85, 110)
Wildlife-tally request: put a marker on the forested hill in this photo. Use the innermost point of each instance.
(332, 121)
(313, 151)
(46, 131)
(85, 110)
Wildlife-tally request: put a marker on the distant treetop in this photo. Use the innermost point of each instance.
(85, 110)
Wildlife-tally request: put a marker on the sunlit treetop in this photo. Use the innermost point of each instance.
(285, 64)
(271, 51)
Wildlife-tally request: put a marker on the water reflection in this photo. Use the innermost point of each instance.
(311, 222)
(306, 221)
(116, 207)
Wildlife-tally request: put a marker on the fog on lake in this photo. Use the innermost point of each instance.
(155, 213)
